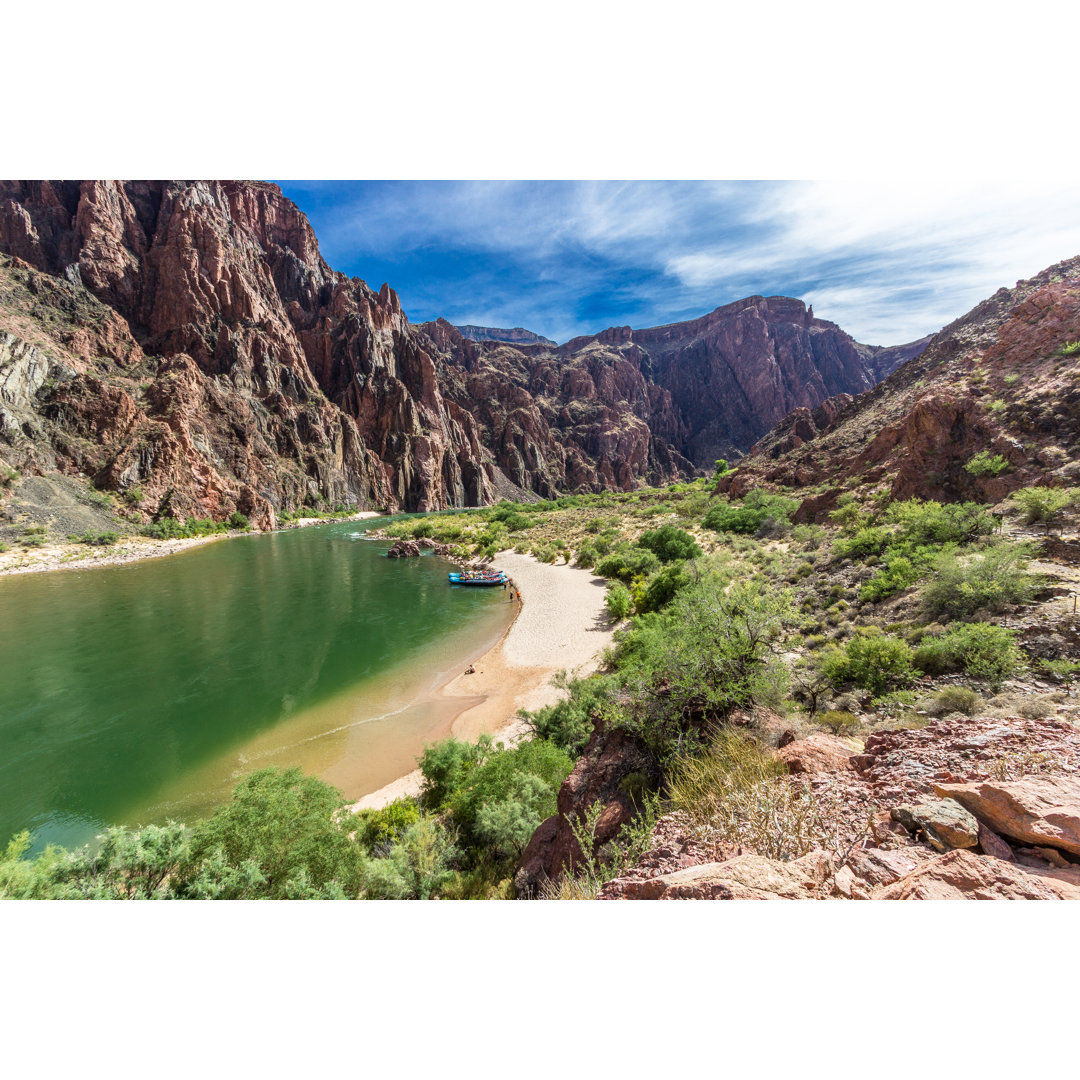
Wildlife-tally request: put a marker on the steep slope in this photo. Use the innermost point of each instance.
(1001, 380)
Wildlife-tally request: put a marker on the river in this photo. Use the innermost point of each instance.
(136, 693)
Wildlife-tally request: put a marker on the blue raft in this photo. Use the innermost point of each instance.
(489, 578)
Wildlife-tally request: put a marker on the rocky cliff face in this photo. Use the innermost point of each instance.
(1001, 380)
(264, 378)
(184, 345)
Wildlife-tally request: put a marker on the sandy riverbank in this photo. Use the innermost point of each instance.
(130, 549)
(562, 625)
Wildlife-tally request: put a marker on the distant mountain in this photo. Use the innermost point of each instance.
(516, 336)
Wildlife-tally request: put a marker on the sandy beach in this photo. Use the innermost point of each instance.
(562, 625)
(75, 556)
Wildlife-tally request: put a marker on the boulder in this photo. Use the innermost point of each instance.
(963, 875)
(945, 822)
(745, 877)
(817, 753)
(1043, 811)
(404, 549)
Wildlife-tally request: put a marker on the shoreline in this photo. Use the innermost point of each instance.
(561, 625)
(77, 556)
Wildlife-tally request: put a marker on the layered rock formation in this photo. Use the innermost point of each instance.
(1000, 381)
(517, 336)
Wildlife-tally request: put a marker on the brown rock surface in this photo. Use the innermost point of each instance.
(817, 753)
(745, 877)
(963, 875)
(1039, 810)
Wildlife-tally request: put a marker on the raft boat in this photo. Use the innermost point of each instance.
(494, 577)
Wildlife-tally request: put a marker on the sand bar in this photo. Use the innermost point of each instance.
(562, 625)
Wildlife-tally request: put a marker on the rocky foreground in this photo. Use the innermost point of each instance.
(964, 808)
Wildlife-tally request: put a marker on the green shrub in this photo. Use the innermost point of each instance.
(568, 724)
(871, 659)
(1070, 348)
(501, 802)
(898, 574)
(986, 464)
(994, 581)
(445, 765)
(102, 539)
(387, 825)
(659, 588)
(669, 544)
(279, 836)
(626, 563)
(618, 601)
(238, 520)
(708, 652)
(983, 650)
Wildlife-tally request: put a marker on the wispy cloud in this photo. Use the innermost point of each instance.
(887, 260)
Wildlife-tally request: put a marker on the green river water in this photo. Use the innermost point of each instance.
(135, 693)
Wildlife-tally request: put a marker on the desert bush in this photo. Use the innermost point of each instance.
(627, 562)
(618, 601)
(748, 516)
(986, 464)
(381, 829)
(417, 867)
(660, 587)
(279, 836)
(871, 659)
(839, 721)
(669, 544)
(1043, 504)
(994, 581)
(708, 652)
(955, 699)
(101, 539)
(568, 723)
(982, 650)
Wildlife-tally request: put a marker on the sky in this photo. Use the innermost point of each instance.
(888, 261)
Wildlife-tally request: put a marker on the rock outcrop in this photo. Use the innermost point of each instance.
(923, 813)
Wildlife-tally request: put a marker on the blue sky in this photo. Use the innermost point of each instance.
(888, 261)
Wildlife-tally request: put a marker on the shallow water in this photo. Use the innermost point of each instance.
(140, 692)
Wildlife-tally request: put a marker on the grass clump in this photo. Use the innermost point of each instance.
(839, 721)
(952, 699)
(735, 793)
